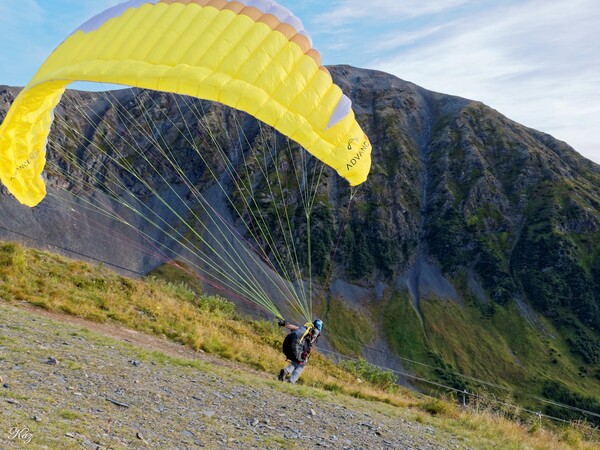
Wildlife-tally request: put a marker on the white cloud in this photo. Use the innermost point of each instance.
(536, 62)
(342, 12)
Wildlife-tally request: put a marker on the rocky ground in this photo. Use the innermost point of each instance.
(71, 384)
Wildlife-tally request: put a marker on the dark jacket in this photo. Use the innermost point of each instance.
(298, 344)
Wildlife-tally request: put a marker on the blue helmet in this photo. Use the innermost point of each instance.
(318, 323)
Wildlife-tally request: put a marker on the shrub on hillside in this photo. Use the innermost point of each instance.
(214, 303)
(377, 376)
(12, 257)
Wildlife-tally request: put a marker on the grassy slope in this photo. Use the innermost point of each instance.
(210, 324)
(500, 348)
(348, 330)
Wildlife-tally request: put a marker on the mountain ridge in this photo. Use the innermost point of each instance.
(462, 204)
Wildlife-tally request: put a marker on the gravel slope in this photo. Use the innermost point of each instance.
(71, 384)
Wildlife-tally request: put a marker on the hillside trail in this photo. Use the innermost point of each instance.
(69, 383)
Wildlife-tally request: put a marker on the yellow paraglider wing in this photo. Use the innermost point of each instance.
(252, 55)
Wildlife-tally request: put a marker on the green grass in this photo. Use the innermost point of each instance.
(348, 330)
(68, 415)
(403, 327)
(503, 349)
(382, 378)
(211, 324)
(152, 306)
(177, 272)
(461, 344)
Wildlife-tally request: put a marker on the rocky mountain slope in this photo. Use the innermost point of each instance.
(473, 247)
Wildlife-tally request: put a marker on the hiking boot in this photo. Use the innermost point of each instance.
(281, 375)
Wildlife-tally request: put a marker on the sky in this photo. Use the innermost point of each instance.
(535, 61)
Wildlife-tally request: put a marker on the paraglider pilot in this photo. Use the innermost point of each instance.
(297, 346)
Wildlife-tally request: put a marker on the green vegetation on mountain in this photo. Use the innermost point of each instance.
(468, 348)
(211, 324)
(509, 215)
(349, 329)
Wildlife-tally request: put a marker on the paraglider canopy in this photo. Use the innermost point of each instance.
(253, 55)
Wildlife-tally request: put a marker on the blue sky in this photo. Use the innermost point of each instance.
(536, 61)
